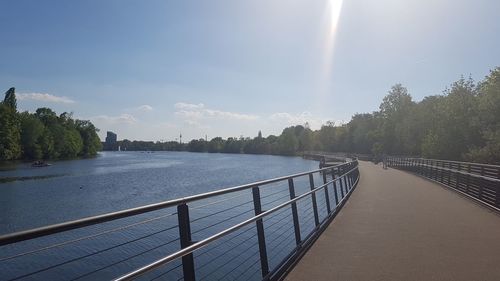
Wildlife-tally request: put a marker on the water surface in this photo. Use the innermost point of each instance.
(32, 197)
(68, 190)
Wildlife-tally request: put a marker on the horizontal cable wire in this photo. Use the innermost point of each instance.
(272, 216)
(275, 200)
(88, 255)
(274, 193)
(221, 211)
(280, 222)
(225, 252)
(223, 221)
(277, 246)
(167, 272)
(279, 235)
(253, 254)
(207, 249)
(87, 237)
(126, 259)
(245, 271)
(233, 258)
(256, 271)
(215, 202)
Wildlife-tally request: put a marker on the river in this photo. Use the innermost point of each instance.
(32, 197)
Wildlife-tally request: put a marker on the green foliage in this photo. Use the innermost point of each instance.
(10, 99)
(43, 135)
(10, 148)
(31, 136)
(91, 142)
(9, 127)
(288, 142)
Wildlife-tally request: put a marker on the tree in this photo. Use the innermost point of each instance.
(457, 127)
(90, 139)
(216, 145)
(10, 98)
(9, 128)
(32, 131)
(305, 140)
(288, 143)
(489, 107)
(394, 109)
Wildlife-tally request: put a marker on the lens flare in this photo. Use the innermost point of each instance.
(331, 20)
(335, 8)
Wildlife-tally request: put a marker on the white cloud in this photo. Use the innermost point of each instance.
(120, 119)
(182, 105)
(144, 108)
(298, 119)
(194, 113)
(44, 97)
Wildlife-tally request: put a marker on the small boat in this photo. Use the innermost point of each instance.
(40, 163)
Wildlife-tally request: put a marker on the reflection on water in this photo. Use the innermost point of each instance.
(31, 197)
(119, 180)
(9, 179)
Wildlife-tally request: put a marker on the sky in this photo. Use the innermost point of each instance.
(151, 70)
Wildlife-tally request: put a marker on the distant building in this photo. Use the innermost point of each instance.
(110, 143)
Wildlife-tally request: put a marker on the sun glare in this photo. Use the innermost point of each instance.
(333, 9)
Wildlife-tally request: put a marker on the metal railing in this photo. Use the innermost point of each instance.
(253, 231)
(479, 181)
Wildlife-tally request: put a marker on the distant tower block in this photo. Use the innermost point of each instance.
(110, 143)
(180, 138)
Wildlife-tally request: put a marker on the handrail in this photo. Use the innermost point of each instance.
(206, 241)
(459, 162)
(470, 179)
(65, 226)
(465, 173)
(344, 178)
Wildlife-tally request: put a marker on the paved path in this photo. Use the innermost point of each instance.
(397, 226)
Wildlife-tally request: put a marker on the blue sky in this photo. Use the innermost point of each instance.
(149, 70)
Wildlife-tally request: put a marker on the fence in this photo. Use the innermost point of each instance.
(249, 232)
(479, 181)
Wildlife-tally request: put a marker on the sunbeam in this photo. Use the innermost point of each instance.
(333, 9)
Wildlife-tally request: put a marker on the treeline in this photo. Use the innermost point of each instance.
(462, 123)
(43, 134)
(292, 141)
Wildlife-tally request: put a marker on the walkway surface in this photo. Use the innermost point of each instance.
(397, 226)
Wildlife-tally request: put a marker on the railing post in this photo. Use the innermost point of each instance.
(313, 197)
(335, 193)
(349, 176)
(497, 194)
(327, 198)
(185, 239)
(442, 172)
(431, 171)
(468, 179)
(481, 183)
(449, 173)
(295, 215)
(498, 191)
(341, 180)
(434, 168)
(264, 265)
